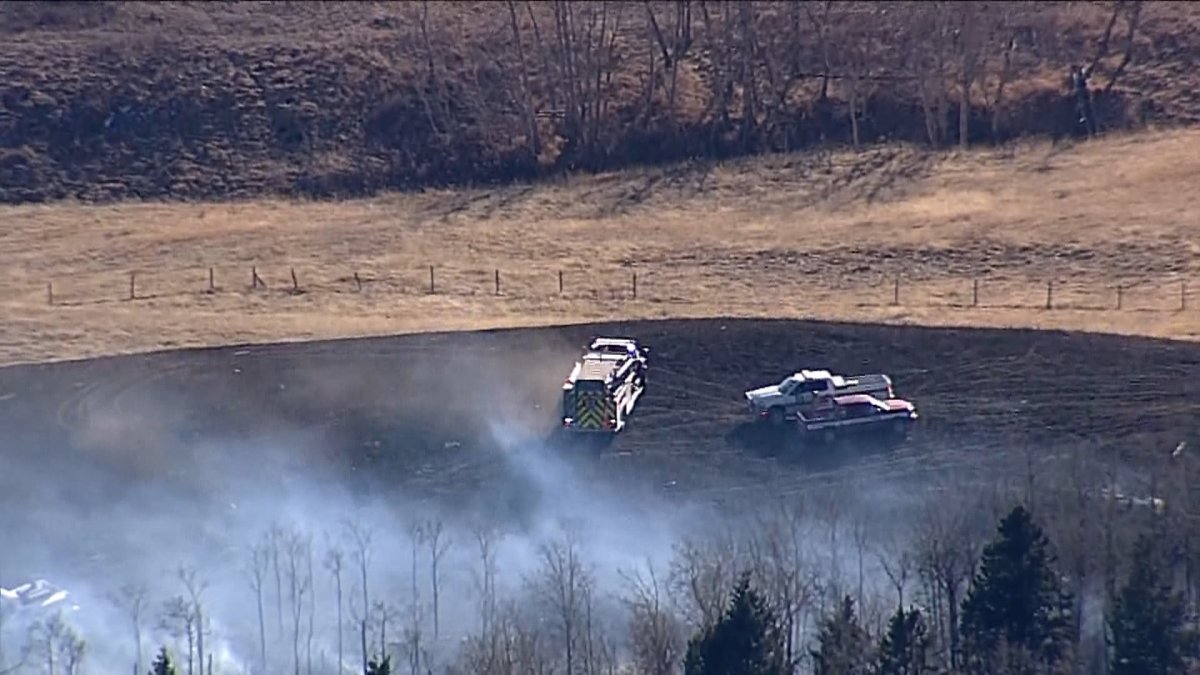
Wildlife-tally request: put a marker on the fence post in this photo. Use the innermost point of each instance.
(1182, 295)
(635, 285)
(896, 292)
(50, 292)
(132, 287)
(975, 292)
(431, 286)
(212, 280)
(1049, 295)
(560, 282)
(497, 282)
(295, 281)
(358, 282)
(1120, 294)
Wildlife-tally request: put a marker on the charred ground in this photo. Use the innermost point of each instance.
(422, 412)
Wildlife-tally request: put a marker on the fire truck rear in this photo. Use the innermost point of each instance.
(601, 391)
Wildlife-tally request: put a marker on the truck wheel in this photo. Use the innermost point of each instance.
(775, 416)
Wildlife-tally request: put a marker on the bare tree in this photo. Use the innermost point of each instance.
(361, 619)
(335, 563)
(195, 589)
(275, 536)
(48, 637)
(515, 646)
(528, 107)
(312, 606)
(417, 535)
(485, 578)
(927, 51)
(435, 110)
(946, 554)
(673, 43)
(700, 578)
(361, 538)
(179, 621)
(861, 539)
(564, 587)
(897, 563)
(131, 599)
(599, 651)
(564, 33)
(968, 31)
(819, 20)
(1003, 38)
(438, 546)
(1131, 10)
(72, 649)
(655, 632)
(486, 650)
(778, 562)
(298, 553)
(260, 561)
(385, 614)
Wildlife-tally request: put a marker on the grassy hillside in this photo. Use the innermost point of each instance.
(801, 235)
(108, 100)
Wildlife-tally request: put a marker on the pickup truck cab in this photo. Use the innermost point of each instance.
(806, 390)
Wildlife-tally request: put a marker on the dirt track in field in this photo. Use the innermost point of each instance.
(427, 409)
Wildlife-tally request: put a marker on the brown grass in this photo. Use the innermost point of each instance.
(784, 236)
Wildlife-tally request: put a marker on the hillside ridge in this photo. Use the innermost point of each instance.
(108, 100)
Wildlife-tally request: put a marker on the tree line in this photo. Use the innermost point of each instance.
(597, 84)
(1015, 618)
(804, 587)
(469, 92)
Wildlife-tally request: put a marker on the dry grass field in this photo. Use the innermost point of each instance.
(791, 236)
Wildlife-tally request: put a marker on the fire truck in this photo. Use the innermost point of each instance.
(602, 389)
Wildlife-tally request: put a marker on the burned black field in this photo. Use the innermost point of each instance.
(423, 412)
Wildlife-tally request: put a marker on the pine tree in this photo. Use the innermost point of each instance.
(842, 643)
(1149, 620)
(904, 647)
(746, 640)
(1016, 609)
(162, 664)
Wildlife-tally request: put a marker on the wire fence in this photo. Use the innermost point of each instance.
(675, 284)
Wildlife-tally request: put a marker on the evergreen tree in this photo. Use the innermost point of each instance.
(746, 640)
(842, 643)
(1149, 620)
(1016, 611)
(162, 663)
(905, 645)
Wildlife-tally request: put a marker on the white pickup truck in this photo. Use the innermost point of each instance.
(809, 389)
